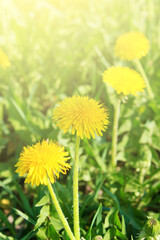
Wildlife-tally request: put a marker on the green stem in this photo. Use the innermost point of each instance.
(142, 174)
(114, 133)
(59, 210)
(75, 191)
(141, 70)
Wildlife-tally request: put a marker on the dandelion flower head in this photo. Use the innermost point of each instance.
(4, 61)
(41, 160)
(83, 115)
(124, 80)
(132, 45)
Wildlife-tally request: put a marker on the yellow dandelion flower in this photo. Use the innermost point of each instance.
(124, 80)
(42, 160)
(132, 45)
(4, 61)
(83, 115)
(5, 203)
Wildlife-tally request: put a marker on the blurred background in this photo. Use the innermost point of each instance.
(61, 48)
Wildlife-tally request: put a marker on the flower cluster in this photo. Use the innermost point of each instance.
(84, 116)
(129, 46)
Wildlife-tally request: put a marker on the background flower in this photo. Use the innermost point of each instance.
(132, 45)
(42, 160)
(124, 80)
(83, 115)
(4, 61)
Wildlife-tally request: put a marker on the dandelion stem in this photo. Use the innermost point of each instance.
(59, 210)
(114, 134)
(141, 70)
(75, 191)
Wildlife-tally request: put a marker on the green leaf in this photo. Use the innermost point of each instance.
(120, 235)
(44, 200)
(134, 216)
(99, 225)
(56, 223)
(123, 226)
(25, 216)
(114, 233)
(112, 218)
(123, 143)
(51, 232)
(93, 221)
(125, 126)
(43, 214)
(41, 233)
(109, 234)
(20, 113)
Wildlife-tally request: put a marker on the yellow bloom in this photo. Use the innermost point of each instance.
(5, 203)
(124, 80)
(40, 160)
(83, 115)
(132, 45)
(4, 61)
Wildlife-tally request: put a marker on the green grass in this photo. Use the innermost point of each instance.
(58, 49)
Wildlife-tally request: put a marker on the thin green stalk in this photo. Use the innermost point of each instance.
(141, 175)
(59, 210)
(141, 70)
(114, 133)
(75, 191)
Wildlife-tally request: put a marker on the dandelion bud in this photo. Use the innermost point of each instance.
(152, 227)
(98, 237)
